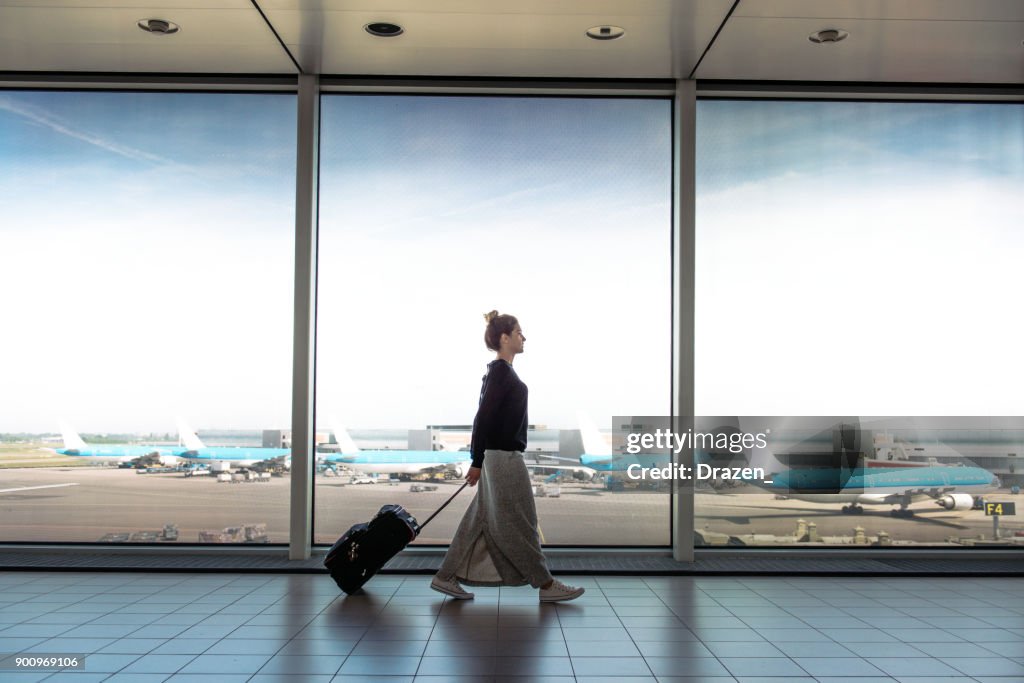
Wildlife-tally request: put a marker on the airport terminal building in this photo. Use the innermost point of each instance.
(764, 256)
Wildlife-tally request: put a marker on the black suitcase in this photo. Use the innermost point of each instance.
(365, 548)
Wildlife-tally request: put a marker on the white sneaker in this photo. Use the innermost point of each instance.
(559, 592)
(450, 587)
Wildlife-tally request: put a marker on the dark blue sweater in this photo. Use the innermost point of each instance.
(500, 421)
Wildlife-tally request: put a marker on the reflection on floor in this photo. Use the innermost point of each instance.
(200, 627)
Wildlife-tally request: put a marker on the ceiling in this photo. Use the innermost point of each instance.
(906, 41)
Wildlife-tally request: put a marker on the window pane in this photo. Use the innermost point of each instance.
(860, 258)
(147, 278)
(435, 210)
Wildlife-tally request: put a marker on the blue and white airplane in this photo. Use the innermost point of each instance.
(396, 461)
(243, 456)
(74, 446)
(952, 488)
(597, 454)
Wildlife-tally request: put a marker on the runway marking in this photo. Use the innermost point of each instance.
(33, 488)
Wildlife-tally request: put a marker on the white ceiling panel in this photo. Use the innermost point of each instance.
(115, 4)
(767, 48)
(220, 37)
(922, 10)
(926, 41)
(664, 38)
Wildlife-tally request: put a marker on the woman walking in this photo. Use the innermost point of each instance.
(497, 543)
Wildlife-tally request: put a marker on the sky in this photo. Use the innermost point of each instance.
(859, 258)
(852, 258)
(156, 234)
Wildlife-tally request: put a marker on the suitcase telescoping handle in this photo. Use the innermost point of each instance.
(443, 506)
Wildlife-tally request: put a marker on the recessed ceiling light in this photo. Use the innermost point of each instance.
(605, 32)
(830, 35)
(160, 27)
(383, 29)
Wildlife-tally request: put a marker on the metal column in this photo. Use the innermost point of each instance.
(684, 129)
(304, 336)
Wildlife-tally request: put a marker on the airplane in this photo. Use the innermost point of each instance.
(871, 483)
(950, 487)
(243, 456)
(395, 461)
(74, 446)
(861, 468)
(598, 456)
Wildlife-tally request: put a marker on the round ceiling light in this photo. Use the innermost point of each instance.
(605, 32)
(160, 27)
(830, 35)
(383, 29)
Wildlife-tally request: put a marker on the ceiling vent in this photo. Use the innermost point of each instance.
(383, 29)
(830, 35)
(159, 27)
(605, 32)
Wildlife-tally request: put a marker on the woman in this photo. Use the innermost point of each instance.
(497, 543)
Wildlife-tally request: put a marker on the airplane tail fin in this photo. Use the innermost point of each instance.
(593, 442)
(345, 443)
(189, 437)
(72, 440)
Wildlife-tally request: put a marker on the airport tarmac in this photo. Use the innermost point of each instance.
(83, 504)
(747, 512)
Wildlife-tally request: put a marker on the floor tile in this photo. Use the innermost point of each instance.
(135, 678)
(943, 650)
(795, 650)
(128, 646)
(225, 664)
(741, 666)
(237, 646)
(725, 635)
(992, 666)
(303, 665)
(686, 666)
(662, 635)
(610, 666)
(733, 649)
(365, 666)
(156, 664)
(600, 648)
(913, 667)
(533, 666)
(185, 646)
(628, 629)
(456, 666)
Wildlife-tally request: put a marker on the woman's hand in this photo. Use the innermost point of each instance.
(473, 476)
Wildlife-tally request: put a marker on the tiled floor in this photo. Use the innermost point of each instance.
(226, 628)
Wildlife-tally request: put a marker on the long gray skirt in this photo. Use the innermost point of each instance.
(497, 542)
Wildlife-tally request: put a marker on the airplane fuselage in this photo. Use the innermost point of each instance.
(240, 455)
(403, 462)
(119, 454)
(882, 486)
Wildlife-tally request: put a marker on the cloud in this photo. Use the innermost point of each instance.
(52, 122)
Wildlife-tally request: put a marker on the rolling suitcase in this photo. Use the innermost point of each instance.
(365, 548)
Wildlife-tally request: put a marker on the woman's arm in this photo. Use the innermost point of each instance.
(492, 395)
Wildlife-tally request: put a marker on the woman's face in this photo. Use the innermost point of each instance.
(516, 340)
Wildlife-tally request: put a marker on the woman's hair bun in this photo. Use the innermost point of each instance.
(490, 316)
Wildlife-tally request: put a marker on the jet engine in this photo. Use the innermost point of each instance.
(956, 501)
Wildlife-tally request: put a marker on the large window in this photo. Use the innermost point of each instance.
(435, 210)
(861, 258)
(147, 284)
